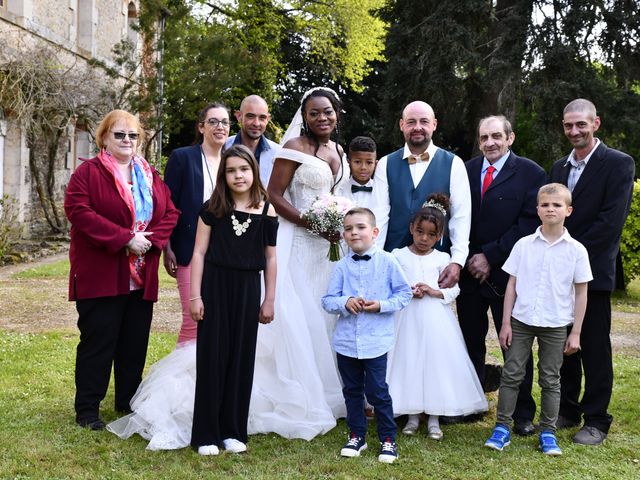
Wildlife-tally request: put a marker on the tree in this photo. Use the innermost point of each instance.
(276, 49)
(47, 91)
(524, 59)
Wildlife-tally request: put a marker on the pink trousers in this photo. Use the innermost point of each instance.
(189, 328)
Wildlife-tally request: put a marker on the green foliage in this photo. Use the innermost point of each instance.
(9, 227)
(630, 241)
(226, 50)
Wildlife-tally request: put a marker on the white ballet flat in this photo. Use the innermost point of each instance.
(434, 433)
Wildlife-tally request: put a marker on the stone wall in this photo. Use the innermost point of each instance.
(79, 31)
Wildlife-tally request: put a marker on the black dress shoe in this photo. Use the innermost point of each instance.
(564, 422)
(524, 428)
(92, 423)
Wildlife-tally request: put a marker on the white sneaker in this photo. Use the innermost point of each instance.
(232, 445)
(208, 450)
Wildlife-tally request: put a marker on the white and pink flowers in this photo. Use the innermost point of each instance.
(325, 215)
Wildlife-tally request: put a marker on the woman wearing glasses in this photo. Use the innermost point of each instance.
(191, 175)
(121, 217)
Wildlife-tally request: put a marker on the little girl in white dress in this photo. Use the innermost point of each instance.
(429, 368)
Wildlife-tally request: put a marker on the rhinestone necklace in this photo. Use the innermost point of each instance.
(238, 227)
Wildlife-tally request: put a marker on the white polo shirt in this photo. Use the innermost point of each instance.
(545, 276)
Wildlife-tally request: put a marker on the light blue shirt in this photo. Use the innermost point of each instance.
(498, 164)
(265, 153)
(366, 335)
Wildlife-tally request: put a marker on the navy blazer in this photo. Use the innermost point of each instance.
(601, 202)
(506, 214)
(184, 177)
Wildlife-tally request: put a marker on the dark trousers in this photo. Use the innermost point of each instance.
(225, 355)
(596, 361)
(472, 308)
(367, 377)
(113, 330)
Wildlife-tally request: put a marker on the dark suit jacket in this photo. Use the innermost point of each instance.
(184, 177)
(601, 201)
(506, 214)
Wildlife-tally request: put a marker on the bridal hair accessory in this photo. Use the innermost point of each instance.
(436, 205)
(238, 227)
(315, 89)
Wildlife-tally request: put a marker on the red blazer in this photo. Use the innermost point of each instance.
(100, 229)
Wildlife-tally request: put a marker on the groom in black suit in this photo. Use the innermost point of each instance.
(601, 181)
(504, 187)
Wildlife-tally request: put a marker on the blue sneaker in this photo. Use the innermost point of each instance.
(388, 451)
(549, 444)
(500, 438)
(354, 446)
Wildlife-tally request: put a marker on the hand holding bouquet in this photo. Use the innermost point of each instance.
(325, 216)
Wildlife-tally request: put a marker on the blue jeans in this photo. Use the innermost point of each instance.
(367, 376)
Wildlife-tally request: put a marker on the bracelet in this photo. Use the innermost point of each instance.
(194, 298)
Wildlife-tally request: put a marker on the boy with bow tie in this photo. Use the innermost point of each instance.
(366, 288)
(364, 188)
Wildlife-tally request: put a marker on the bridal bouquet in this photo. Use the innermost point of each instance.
(325, 215)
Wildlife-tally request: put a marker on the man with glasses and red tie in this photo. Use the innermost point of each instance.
(503, 197)
(414, 172)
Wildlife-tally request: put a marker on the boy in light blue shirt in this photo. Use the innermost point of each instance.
(366, 288)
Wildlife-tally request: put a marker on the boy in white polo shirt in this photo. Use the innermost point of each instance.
(547, 291)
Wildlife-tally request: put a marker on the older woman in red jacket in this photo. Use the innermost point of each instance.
(121, 217)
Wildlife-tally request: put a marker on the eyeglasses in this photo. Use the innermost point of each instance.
(214, 122)
(121, 135)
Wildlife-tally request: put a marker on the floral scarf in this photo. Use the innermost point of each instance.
(138, 198)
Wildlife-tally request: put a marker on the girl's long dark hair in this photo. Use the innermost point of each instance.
(221, 202)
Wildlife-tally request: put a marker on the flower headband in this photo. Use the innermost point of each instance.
(436, 205)
(315, 89)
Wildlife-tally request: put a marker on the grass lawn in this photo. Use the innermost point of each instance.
(39, 439)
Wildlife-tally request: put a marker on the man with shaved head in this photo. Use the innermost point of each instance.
(253, 118)
(601, 181)
(415, 171)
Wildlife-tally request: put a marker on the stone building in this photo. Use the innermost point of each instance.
(82, 34)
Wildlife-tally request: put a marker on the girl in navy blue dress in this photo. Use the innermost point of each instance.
(235, 240)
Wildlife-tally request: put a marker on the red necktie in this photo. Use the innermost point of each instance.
(488, 178)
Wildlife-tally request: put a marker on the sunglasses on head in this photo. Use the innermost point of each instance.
(121, 135)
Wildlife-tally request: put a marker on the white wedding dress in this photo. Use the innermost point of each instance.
(296, 388)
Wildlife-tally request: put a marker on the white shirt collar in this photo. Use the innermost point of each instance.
(431, 149)
(498, 164)
(539, 235)
(368, 184)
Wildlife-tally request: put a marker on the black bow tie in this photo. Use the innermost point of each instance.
(357, 257)
(360, 188)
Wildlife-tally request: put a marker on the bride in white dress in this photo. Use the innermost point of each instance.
(296, 389)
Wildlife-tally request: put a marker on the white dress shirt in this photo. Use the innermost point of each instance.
(459, 198)
(377, 200)
(545, 277)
